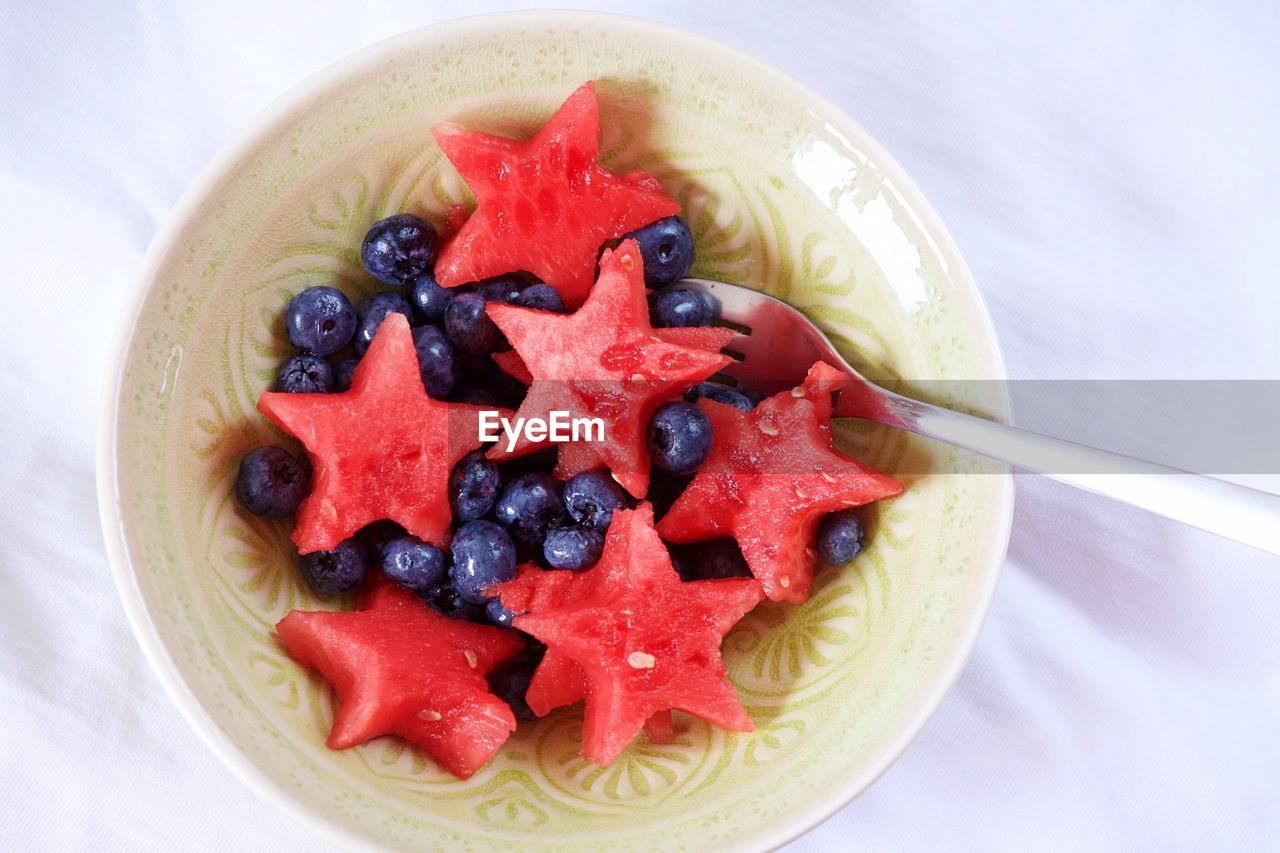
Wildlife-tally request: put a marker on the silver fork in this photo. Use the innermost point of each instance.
(777, 344)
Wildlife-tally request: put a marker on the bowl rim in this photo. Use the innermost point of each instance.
(262, 124)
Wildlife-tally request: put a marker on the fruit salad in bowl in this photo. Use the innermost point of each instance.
(429, 502)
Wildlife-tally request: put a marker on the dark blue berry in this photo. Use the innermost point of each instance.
(342, 372)
(435, 360)
(305, 374)
(429, 299)
(498, 614)
(399, 248)
(482, 382)
(667, 249)
(271, 483)
(839, 537)
(483, 555)
(338, 570)
(713, 304)
(413, 564)
(468, 326)
(503, 288)
(510, 682)
(711, 560)
(320, 320)
(378, 533)
(448, 601)
(721, 394)
(473, 486)
(669, 309)
(371, 314)
(592, 496)
(529, 506)
(572, 547)
(679, 437)
(544, 297)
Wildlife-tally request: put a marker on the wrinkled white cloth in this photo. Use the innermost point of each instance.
(1110, 172)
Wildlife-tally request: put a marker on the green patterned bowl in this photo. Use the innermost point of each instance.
(784, 193)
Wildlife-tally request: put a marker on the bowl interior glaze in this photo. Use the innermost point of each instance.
(783, 193)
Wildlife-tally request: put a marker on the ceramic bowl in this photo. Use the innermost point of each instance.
(784, 193)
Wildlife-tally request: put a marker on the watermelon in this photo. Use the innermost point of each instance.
(398, 667)
(381, 450)
(771, 476)
(604, 360)
(545, 205)
(559, 680)
(644, 641)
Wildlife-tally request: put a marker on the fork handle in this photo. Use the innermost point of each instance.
(1237, 512)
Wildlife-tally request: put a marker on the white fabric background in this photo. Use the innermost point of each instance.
(1111, 175)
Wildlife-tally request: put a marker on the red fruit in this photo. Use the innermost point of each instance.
(771, 475)
(604, 360)
(709, 338)
(383, 449)
(544, 205)
(644, 641)
(399, 667)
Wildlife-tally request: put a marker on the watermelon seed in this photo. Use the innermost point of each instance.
(801, 493)
(472, 661)
(768, 428)
(784, 581)
(812, 554)
(797, 391)
(430, 716)
(827, 477)
(641, 660)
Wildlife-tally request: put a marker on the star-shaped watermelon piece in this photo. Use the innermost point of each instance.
(382, 449)
(644, 640)
(544, 205)
(771, 475)
(559, 680)
(603, 361)
(398, 667)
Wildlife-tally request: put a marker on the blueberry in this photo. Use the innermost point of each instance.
(510, 682)
(721, 394)
(429, 299)
(482, 382)
(338, 570)
(371, 314)
(450, 602)
(713, 304)
(305, 374)
(399, 248)
(342, 372)
(498, 614)
(503, 288)
(271, 483)
(677, 307)
(592, 496)
(839, 537)
(413, 564)
(473, 486)
(468, 326)
(679, 437)
(573, 547)
(483, 555)
(435, 360)
(529, 506)
(544, 297)
(320, 320)
(711, 560)
(667, 249)
(378, 533)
